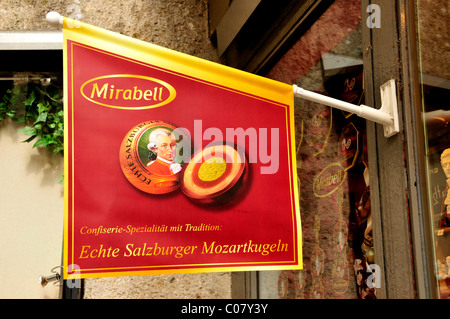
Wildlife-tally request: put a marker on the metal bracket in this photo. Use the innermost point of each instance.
(387, 115)
(56, 277)
(389, 106)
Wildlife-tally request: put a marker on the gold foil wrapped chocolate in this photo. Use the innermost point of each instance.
(215, 174)
(148, 157)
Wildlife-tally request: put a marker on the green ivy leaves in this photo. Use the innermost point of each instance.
(41, 109)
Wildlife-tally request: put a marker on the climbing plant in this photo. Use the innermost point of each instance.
(40, 108)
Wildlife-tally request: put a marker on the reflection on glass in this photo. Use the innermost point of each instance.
(332, 164)
(434, 46)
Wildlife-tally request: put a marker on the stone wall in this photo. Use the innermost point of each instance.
(434, 37)
(180, 25)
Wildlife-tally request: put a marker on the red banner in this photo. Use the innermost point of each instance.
(174, 164)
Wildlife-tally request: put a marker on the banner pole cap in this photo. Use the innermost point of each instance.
(54, 19)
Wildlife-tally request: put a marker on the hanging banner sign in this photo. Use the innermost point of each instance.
(173, 164)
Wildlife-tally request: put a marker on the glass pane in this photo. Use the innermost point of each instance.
(332, 164)
(434, 47)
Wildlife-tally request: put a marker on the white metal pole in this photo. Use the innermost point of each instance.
(387, 115)
(364, 111)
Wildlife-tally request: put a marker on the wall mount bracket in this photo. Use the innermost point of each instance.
(387, 115)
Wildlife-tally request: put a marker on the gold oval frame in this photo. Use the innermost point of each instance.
(170, 88)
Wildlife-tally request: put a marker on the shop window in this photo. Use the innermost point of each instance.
(434, 43)
(333, 172)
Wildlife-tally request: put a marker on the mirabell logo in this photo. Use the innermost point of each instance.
(128, 91)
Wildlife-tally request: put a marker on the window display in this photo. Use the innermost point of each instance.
(333, 172)
(434, 42)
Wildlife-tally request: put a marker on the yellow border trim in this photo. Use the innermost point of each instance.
(186, 64)
(201, 70)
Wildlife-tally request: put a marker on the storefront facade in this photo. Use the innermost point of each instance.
(373, 208)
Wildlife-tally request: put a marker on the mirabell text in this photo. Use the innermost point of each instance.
(110, 92)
